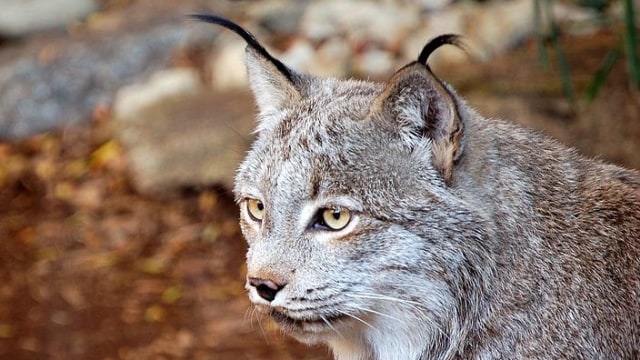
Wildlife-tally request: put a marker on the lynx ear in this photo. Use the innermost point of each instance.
(274, 85)
(422, 107)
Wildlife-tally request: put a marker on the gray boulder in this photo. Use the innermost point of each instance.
(19, 17)
(38, 95)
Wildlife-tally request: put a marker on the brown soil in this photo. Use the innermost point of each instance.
(90, 269)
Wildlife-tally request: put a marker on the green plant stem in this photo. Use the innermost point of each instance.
(603, 72)
(543, 57)
(563, 66)
(631, 43)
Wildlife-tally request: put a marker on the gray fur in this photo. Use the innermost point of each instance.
(472, 238)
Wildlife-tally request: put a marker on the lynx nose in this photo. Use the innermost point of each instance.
(267, 289)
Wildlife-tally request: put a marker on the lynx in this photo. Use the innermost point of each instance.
(392, 221)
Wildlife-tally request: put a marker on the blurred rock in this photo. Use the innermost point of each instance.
(373, 63)
(401, 29)
(578, 20)
(67, 79)
(331, 58)
(20, 17)
(299, 55)
(227, 66)
(499, 26)
(432, 4)
(487, 30)
(448, 21)
(279, 17)
(359, 21)
(177, 134)
(131, 101)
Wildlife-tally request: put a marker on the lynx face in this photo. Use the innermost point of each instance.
(327, 196)
(354, 236)
(334, 197)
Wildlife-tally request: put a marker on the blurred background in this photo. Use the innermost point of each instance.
(122, 121)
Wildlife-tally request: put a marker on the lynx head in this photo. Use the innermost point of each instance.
(354, 235)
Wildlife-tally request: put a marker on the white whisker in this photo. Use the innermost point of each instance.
(247, 314)
(419, 308)
(364, 309)
(384, 297)
(264, 333)
(330, 325)
(357, 318)
(415, 306)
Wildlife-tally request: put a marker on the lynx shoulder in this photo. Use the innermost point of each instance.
(392, 221)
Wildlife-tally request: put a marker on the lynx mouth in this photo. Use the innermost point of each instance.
(314, 324)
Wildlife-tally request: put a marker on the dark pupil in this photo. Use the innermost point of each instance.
(336, 214)
(260, 206)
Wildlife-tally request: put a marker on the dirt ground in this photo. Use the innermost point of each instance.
(91, 269)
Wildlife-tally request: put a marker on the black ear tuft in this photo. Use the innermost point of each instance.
(435, 43)
(248, 37)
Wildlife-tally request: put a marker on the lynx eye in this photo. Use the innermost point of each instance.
(255, 208)
(335, 218)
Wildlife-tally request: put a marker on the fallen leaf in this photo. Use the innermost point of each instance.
(155, 313)
(64, 191)
(73, 295)
(109, 151)
(76, 169)
(6, 331)
(152, 266)
(172, 294)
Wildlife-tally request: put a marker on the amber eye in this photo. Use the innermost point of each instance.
(255, 208)
(336, 218)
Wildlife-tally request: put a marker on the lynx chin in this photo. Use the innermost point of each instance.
(392, 221)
